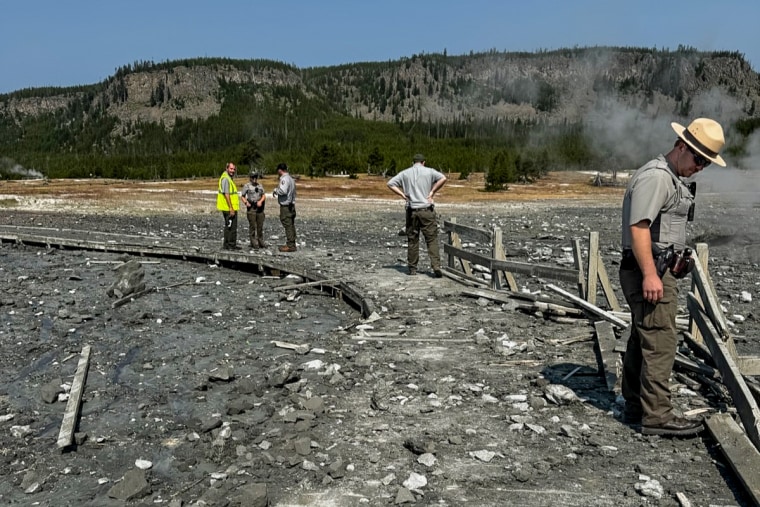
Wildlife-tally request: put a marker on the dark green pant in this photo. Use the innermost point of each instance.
(288, 220)
(651, 349)
(424, 221)
(230, 229)
(256, 228)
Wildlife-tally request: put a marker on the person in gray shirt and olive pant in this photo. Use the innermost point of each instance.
(418, 185)
(286, 198)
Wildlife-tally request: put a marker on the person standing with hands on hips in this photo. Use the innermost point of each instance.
(254, 199)
(656, 207)
(418, 185)
(286, 198)
(228, 202)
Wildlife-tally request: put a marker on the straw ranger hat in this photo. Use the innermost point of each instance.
(705, 136)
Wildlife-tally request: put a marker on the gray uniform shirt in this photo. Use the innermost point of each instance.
(252, 192)
(416, 183)
(656, 194)
(286, 190)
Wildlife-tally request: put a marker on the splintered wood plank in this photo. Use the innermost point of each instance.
(501, 255)
(608, 360)
(708, 298)
(702, 257)
(745, 403)
(456, 242)
(589, 307)
(71, 415)
(738, 450)
(609, 294)
(578, 263)
(593, 266)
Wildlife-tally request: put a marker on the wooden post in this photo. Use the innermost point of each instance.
(578, 263)
(457, 243)
(71, 416)
(702, 257)
(593, 261)
(500, 254)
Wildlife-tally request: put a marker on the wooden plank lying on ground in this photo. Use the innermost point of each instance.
(331, 283)
(523, 268)
(463, 278)
(71, 415)
(130, 297)
(589, 307)
(509, 297)
(738, 450)
(745, 403)
(607, 359)
(488, 294)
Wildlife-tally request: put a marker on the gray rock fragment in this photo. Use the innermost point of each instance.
(49, 392)
(133, 485)
(404, 496)
(252, 495)
(130, 279)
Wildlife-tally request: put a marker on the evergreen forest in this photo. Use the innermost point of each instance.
(306, 125)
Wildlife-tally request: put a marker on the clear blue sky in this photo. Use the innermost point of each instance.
(76, 42)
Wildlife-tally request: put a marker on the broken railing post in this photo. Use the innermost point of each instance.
(593, 261)
(499, 254)
(597, 272)
(702, 257)
(578, 263)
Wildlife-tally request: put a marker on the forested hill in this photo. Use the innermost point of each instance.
(180, 118)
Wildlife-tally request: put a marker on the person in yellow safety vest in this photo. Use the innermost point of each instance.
(228, 202)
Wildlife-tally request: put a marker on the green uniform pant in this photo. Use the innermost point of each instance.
(256, 227)
(288, 219)
(230, 229)
(651, 349)
(425, 221)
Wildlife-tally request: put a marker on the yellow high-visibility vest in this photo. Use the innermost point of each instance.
(221, 202)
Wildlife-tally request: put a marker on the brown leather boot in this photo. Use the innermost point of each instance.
(676, 427)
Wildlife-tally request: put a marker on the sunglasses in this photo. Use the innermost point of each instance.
(698, 159)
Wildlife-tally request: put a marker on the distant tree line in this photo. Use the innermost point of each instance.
(309, 126)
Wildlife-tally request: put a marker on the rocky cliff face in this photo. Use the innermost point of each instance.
(557, 86)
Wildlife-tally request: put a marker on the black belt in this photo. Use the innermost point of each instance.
(429, 208)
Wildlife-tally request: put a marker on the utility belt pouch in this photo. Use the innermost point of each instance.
(679, 263)
(662, 259)
(682, 263)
